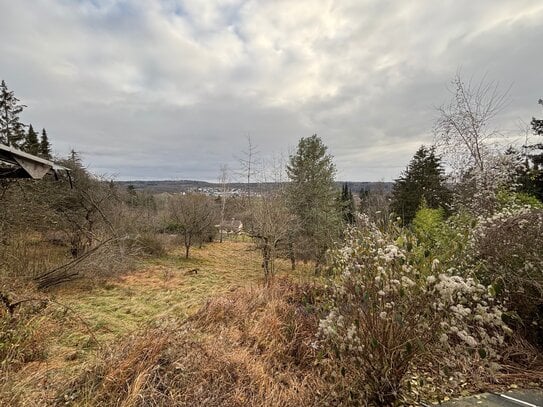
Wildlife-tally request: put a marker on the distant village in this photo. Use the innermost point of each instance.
(235, 189)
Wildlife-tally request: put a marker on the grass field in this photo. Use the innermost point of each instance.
(84, 318)
(165, 287)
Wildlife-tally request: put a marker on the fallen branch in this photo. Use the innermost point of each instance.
(45, 280)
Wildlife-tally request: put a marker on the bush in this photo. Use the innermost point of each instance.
(151, 244)
(507, 252)
(443, 239)
(385, 314)
(517, 199)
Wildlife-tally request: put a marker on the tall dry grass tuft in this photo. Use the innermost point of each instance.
(251, 347)
(120, 374)
(24, 334)
(27, 255)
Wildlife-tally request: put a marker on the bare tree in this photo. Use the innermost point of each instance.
(463, 130)
(223, 180)
(271, 225)
(83, 211)
(191, 216)
(248, 164)
(269, 221)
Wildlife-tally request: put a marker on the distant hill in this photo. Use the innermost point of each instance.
(177, 186)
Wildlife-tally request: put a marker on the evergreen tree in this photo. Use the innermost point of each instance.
(11, 129)
(45, 146)
(535, 156)
(31, 144)
(537, 124)
(311, 196)
(422, 181)
(347, 204)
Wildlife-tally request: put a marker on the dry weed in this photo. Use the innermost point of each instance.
(251, 347)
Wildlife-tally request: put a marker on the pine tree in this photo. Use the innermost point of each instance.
(422, 181)
(45, 146)
(311, 196)
(11, 129)
(31, 144)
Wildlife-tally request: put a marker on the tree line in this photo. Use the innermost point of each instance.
(306, 215)
(14, 133)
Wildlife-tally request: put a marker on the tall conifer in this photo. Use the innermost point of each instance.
(11, 129)
(31, 144)
(45, 146)
(312, 197)
(422, 181)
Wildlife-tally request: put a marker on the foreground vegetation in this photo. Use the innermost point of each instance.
(114, 297)
(163, 334)
(57, 335)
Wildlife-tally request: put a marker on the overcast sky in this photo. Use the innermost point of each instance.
(170, 89)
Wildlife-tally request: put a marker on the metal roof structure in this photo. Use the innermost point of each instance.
(15, 163)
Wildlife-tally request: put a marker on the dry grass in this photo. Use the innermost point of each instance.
(164, 288)
(28, 255)
(161, 336)
(251, 347)
(159, 290)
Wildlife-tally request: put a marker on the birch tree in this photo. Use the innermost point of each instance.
(463, 130)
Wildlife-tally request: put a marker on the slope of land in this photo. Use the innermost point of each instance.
(83, 319)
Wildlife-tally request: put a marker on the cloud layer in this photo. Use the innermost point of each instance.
(170, 89)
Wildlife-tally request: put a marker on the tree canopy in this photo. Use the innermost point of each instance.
(422, 181)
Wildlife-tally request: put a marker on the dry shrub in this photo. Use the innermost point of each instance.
(24, 334)
(151, 244)
(388, 318)
(508, 252)
(21, 338)
(21, 315)
(252, 347)
(31, 257)
(521, 362)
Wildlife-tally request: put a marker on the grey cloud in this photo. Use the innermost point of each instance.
(170, 89)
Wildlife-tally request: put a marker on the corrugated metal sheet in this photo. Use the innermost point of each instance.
(23, 165)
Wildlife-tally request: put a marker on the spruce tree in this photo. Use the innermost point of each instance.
(31, 144)
(537, 124)
(311, 196)
(535, 156)
(45, 146)
(422, 181)
(11, 129)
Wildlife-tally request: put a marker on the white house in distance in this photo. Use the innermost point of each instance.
(230, 227)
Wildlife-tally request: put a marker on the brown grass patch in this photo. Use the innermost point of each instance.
(251, 347)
